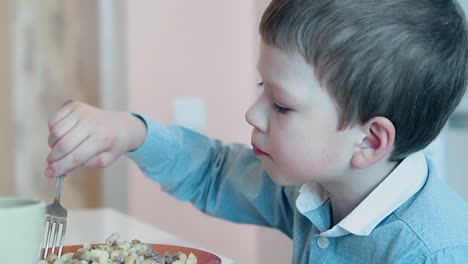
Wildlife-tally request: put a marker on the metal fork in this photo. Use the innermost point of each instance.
(56, 216)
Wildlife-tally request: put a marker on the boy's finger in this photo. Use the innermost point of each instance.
(67, 102)
(72, 161)
(68, 143)
(60, 129)
(66, 109)
(100, 160)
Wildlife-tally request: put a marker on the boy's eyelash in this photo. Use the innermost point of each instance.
(280, 109)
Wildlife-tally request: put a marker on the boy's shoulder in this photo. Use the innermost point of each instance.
(436, 215)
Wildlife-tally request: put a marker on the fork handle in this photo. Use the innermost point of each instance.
(58, 188)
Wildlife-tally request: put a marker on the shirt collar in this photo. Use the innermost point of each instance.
(407, 178)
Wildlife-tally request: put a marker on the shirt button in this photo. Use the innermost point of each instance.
(323, 242)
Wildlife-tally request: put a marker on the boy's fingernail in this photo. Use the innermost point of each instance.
(49, 173)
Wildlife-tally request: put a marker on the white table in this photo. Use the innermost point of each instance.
(95, 225)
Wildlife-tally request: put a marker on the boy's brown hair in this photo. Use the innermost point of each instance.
(406, 60)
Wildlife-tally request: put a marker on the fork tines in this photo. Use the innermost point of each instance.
(55, 222)
(58, 226)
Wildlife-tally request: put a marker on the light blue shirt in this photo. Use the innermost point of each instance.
(411, 217)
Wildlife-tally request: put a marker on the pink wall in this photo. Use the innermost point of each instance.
(193, 48)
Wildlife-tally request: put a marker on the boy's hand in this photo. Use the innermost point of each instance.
(81, 135)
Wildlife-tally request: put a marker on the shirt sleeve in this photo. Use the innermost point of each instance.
(223, 180)
(452, 255)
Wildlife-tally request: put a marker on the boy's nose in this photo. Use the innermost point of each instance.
(256, 116)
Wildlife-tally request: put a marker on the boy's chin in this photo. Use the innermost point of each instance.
(283, 181)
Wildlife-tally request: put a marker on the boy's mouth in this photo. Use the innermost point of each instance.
(257, 151)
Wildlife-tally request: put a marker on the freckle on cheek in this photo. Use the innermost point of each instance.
(325, 155)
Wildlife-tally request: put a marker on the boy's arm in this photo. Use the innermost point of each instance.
(226, 181)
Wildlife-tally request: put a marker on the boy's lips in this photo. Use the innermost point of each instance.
(258, 151)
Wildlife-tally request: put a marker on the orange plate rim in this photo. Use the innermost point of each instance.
(204, 257)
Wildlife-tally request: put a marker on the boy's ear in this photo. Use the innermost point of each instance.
(379, 136)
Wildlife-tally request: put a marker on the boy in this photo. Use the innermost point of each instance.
(352, 91)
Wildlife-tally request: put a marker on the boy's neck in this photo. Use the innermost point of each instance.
(354, 187)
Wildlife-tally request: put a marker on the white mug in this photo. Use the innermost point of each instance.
(21, 230)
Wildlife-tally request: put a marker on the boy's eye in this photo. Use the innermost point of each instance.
(280, 109)
(260, 84)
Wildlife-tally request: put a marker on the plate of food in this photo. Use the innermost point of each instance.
(134, 252)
